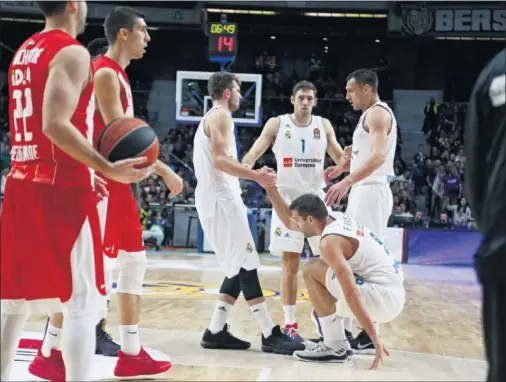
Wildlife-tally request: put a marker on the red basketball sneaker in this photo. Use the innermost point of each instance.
(51, 368)
(139, 365)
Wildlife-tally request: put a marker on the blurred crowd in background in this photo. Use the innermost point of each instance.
(428, 188)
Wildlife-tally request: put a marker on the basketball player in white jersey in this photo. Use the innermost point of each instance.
(223, 217)
(355, 276)
(300, 142)
(372, 166)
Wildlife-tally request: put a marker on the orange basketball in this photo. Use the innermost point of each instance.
(126, 138)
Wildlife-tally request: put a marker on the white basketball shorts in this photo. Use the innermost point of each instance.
(384, 302)
(230, 237)
(371, 206)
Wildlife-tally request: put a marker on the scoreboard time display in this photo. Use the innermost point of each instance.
(223, 39)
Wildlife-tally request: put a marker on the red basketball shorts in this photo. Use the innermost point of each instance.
(122, 228)
(51, 247)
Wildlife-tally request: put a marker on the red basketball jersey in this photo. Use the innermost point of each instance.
(125, 92)
(34, 157)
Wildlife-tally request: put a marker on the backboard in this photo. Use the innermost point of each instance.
(192, 101)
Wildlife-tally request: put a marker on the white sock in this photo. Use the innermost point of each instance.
(289, 314)
(52, 340)
(333, 331)
(220, 316)
(129, 339)
(263, 318)
(12, 329)
(78, 347)
(348, 324)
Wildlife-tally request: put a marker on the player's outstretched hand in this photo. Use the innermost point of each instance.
(331, 172)
(337, 192)
(125, 171)
(174, 183)
(347, 153)
(100, 188)
(266, 177)
(380, 349)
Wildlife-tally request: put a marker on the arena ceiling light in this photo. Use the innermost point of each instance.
(467, 38)
(347, 15)
(242, 11)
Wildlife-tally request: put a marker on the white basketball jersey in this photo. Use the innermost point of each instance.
(300, 155)
(361, 149)
(212, 185)
(371, 261)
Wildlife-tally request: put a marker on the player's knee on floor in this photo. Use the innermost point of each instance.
(231, 287)
(15, 307)
(131, 270)
(291, 262)
(250, 284)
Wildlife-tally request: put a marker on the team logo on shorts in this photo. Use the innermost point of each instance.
(277, 232)
(249, 248)
(316, 133)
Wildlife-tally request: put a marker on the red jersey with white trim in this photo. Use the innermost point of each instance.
(34, 158)
(125, 92)
(126, 101)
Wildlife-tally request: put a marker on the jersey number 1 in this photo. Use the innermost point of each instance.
(22, 112)
(303, 145)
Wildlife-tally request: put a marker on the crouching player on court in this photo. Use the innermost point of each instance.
(355, 277)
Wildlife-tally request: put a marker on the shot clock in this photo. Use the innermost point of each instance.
(223, 40)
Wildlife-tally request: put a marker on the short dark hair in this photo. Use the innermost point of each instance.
(310, 205)
(98, 46)
(52, 8)
(120, 18)
(306, 85)
(364, 77)
(220, 81)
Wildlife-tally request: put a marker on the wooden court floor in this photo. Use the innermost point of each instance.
(437, 336)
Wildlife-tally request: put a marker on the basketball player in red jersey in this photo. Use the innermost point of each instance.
(126, 32)
(59, 265)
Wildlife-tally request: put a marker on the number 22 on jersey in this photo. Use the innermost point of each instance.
(23, 105)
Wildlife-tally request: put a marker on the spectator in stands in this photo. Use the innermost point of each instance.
(442, 222)
(417, 221)
(419, 157)
(462, 215)
(156, 230)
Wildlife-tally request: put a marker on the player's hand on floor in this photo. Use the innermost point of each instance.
(175, 184)
(99, 187)
(380, 349)
(336, 192)
(331, 172)
(125, 171)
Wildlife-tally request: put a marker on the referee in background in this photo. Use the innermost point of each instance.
(485, 178)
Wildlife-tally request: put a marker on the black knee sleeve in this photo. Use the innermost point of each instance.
(231, 287)
(250, 284)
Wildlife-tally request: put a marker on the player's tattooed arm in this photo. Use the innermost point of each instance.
(281, 208)
(333, 249)
(378, 122)
(217, 127)
(263, 142)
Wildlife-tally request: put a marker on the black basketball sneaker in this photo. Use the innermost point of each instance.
(223, 340)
